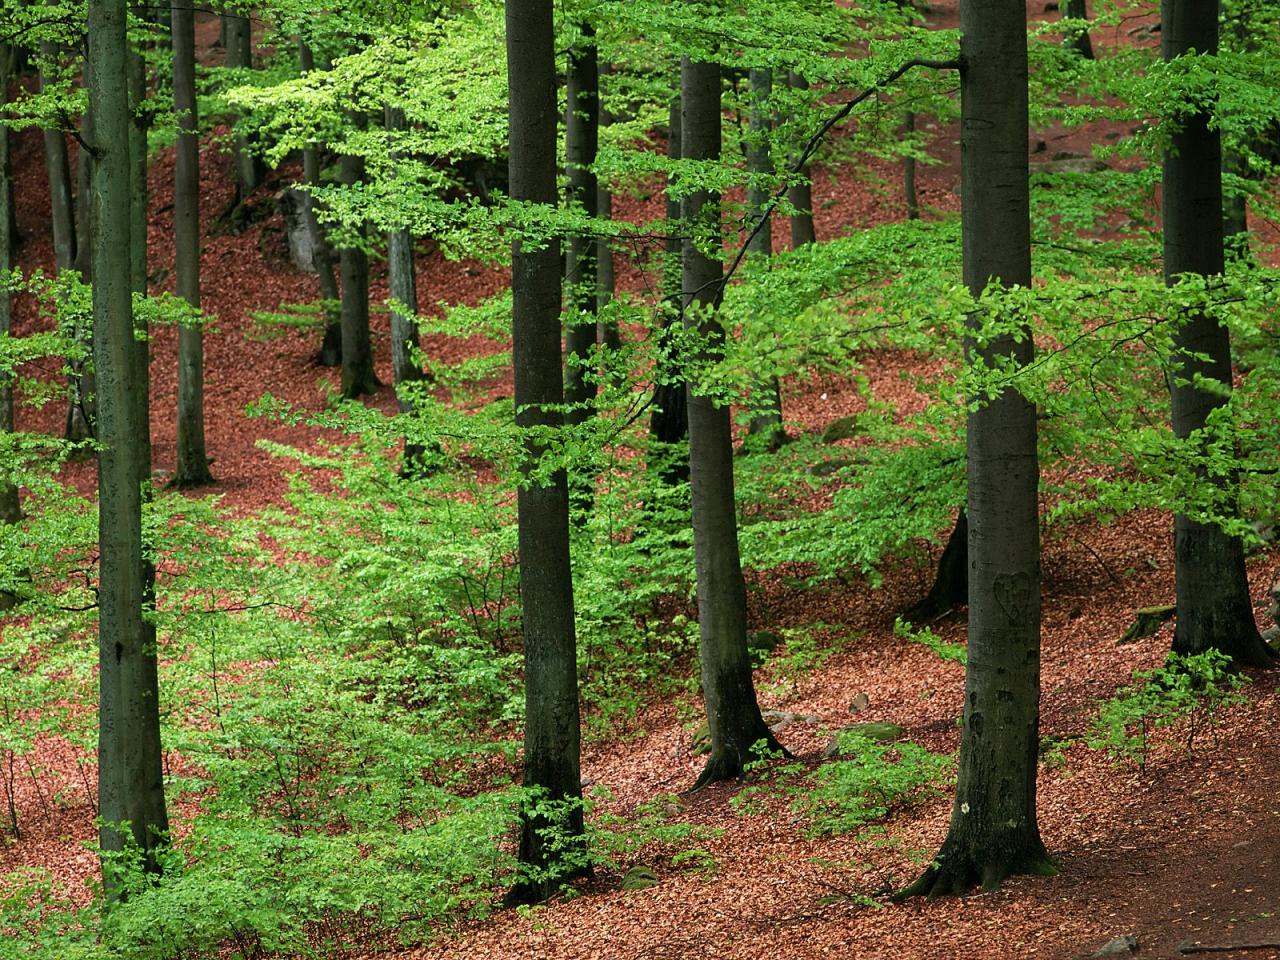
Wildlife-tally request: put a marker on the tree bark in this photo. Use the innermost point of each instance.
(238, 36)
(9, 505)
(582, 137)
(800, 195)
(767, 421)
(669, 422)
(130, 772)
(1214, 608)
(358, 378)
(141, 120)
(606, 279)
(1078, 40)
(993, 831)
(951, 581)
(193, 462)
(330, 354)
(551, 737)
(733, 713)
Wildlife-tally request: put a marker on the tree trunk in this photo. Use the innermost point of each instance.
(552, 736)
(606, 280)
(669, 422)
(130, 772)
(1214, 607)
(358, 378)
(767, 421)
(733, 714)
(193, 462)
(9, 506)
(141, 120)
(951, 582)
(800, 195)
(910, 194)
(993, 831)
(1078, 40)
(581, 137)
(330, 354)
(238, 36)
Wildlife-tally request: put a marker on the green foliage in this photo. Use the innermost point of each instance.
(954, 652)
(1188, 691)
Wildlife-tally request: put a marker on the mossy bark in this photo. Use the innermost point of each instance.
(358, 378)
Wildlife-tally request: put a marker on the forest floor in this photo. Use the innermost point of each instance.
(1186, 850)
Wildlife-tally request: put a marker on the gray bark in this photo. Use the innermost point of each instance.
(9, 506)
(993, 831)
(669, 422)
(130, 772)
(402, 280)
(733, 713)
(606, 276)
(800, 195)
(358, 378)
(237, 31)
(582, 137)
(193, 462)
(1078, 40)
(330, 354)
(1214, 607)
(551, 736)
(767, 421)
(139, 200)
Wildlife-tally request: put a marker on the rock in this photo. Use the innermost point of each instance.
(1070, 165)
(302, 249)
(879, 731)
(1117, 947)
(1272, 636)
(763, 641)
(639, 877)
(859, 703)
(779, 720)
(1146, 622)
(842, 428)
(828, 467)
(700, 742)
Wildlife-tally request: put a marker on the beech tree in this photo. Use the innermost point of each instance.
(237, 36)
(130, 773)
(9, 505)
(551, 736)
(193, 461)
(581, 136)
(330, 353)
(358, 378)
(993, 831)
(1214, 610)
(733, 713)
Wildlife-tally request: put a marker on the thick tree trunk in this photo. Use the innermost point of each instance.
(193, 462)
(551, 736)
(9, 506)
(330, 354)
(140, 123)
(237, 33)
(767, 421)
(130, 772)
(800, 195)
(669, 422)
(733, 714)
(951, 582)
(358, 378)
(1078, 40)
(1214, 607)
(581, 137)
(993, 830)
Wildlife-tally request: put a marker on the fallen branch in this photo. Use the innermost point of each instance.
(1188, 946)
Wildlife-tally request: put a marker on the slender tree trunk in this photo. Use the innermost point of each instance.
(733, 714)
(551, 737)
(238, 37)
(669, 422)
(910, 194)
(1214, 607)
(9, 506)
(358, 378)
(993, 831)
(800, 195)
(130, 772)
(951, 581)
(1235, 205)
(330, 354)
(581, 135)
(606, 279)
(193, 462)
(1078, 40)
(767, 421)
(403, 283)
